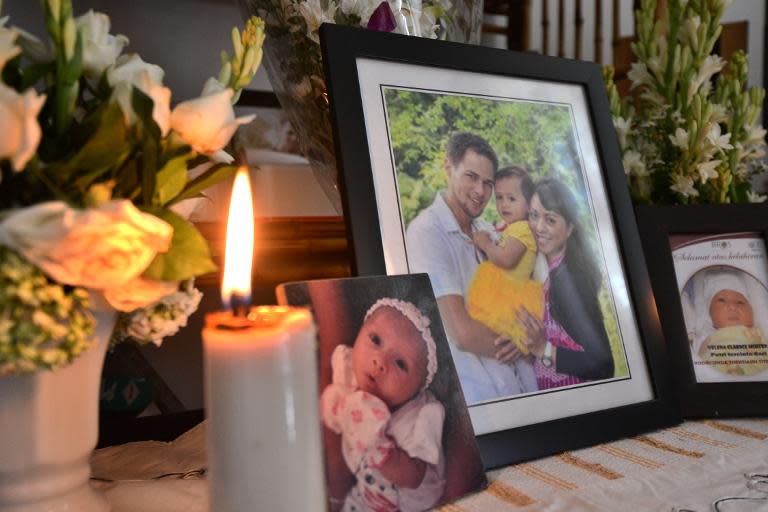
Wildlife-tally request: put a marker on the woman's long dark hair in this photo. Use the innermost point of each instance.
(556, 197)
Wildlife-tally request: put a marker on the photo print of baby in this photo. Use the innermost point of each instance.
(722, 281)
(396, 429)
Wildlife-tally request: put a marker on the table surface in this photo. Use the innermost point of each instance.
(684, 468)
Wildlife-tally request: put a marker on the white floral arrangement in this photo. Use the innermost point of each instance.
(294, 65)
(691, 133)
(296, 24)
(95, 185)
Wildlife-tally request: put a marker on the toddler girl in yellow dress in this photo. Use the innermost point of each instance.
(503, 283)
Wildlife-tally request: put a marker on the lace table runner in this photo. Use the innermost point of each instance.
(685, 468)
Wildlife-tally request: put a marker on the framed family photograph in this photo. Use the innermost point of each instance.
(710, 275)
(498, 174)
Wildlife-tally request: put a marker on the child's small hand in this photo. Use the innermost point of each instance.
(482, 239)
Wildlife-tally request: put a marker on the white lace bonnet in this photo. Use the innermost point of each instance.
(421, 322)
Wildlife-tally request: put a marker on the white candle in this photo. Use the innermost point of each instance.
(261, 395)
(264, 448)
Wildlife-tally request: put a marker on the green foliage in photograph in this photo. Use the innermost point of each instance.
(536, 136)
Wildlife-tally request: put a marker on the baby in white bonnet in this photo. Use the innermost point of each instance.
(725, 317)
(390, 423)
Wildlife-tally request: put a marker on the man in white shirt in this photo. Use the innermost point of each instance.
(439, 242)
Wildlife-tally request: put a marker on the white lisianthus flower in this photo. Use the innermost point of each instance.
(707, 170)
(165, 317)
(131, 71)
(314, 16)
(98, 248)
(100, 48)
(754, 197)
(717, 140)
(633, 164)
(128, 68)
(208, 122)
(18, 124)
(8, 49)
(684, 185)
(139, 293)
(680, 139)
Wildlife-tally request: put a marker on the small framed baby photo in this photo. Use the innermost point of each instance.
(498, 174)
(396, 432)
(710, 275)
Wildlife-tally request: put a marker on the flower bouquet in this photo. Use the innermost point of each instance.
(96, 185)
(97, 178)
(293, 62)
(693, 133)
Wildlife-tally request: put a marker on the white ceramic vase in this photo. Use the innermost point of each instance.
(49, 425)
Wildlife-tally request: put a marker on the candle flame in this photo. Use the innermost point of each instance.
(238, 256)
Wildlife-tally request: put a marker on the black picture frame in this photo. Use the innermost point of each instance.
(656, 225)
(342, 46)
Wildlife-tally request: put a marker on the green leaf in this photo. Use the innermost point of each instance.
(171, 180)
(173, 145)
(189, 255)
(739, 192)
(34, 72)
(209, 178)
(108, 147)
(150, 142)
(143, 107)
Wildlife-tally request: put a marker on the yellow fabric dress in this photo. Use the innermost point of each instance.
(495, 294)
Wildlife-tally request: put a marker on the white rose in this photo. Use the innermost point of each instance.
(8, 49)
(139, 293)
(18, 124)
(208, 122)
(130, 71)
(100, 48)
(98, 248)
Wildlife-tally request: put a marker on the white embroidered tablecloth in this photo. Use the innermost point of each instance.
(683, 468)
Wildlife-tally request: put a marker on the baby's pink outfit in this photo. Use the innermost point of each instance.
(369, 432)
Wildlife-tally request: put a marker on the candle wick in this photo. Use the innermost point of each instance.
(240, 304)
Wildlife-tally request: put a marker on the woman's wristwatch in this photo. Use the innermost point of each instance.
(546, 359)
